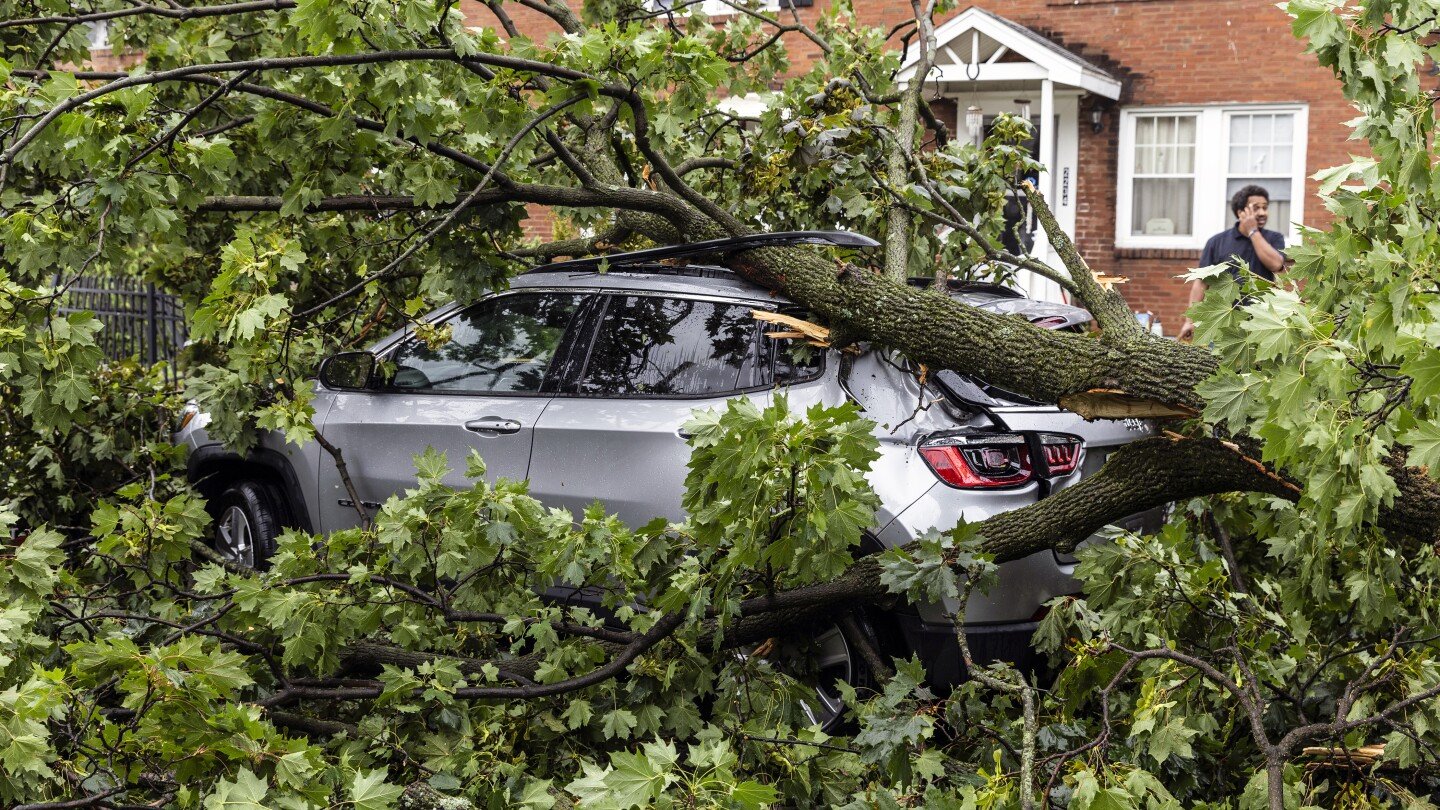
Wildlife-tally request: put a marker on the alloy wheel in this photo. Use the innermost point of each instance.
(829, 662)
(815, 663)
(234, 538)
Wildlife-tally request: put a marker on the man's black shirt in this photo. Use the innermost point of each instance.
(1231, 242)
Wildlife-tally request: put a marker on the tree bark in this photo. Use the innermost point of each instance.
(939, 332)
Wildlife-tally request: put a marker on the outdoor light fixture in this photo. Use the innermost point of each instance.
(1024, 105)
(1097, 120)
(975, 123)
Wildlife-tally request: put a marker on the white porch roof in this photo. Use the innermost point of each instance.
(978, 46)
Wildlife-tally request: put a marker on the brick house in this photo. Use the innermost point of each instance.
(1149, 114)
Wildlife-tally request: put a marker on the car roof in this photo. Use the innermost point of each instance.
(683, 280)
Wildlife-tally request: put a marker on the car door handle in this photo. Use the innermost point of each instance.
(492, 426)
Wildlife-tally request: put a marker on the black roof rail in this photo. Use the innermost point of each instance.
(710, 246)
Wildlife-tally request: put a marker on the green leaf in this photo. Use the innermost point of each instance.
(537, 795)
(635, 780)
(247, 792)
(751, 795)
(618, 724)
(1424, 369)
(370, 791)
(1424, 442)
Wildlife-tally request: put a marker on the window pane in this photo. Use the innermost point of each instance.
(1162, 207)
(674, 347)
(503, 344)
(1164, 144)
(1144, 160)
(1165, 159)
(1165, 130)
(1145, 130)
(1184, 160)
(1185, 129)
(1284, 128)
(1262, 153)
(1260, 128)
(1239, 158)
(793, 360)
(1240, 129)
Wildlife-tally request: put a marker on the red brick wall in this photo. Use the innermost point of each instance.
(539, 223)
(107, 59)
(1165, 52)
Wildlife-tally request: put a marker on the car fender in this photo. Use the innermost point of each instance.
(214, 461)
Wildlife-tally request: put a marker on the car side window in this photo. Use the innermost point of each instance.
(655, 346)
(792, 359)
(504, 344)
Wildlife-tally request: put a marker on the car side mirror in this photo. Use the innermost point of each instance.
(348, 371)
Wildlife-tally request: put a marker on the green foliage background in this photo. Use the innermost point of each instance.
(131, 668)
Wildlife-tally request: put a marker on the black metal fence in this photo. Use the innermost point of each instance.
(140, 321)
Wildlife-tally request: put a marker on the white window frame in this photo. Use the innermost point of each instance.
(1212, 173)
(98, 35)
(717, 8)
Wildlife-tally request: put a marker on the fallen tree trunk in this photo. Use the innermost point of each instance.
(1134, 479)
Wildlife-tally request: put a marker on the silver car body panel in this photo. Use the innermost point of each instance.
(380, 433)
(628, 454)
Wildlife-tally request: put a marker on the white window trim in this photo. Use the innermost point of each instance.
(1212, 135)
(98, 35)
(718, 8)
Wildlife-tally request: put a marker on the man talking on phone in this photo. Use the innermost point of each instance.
(1249, 242)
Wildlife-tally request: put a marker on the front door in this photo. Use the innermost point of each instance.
(480, 388)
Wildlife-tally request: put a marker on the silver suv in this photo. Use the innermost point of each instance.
(579, 378)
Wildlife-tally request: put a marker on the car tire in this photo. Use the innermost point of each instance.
(249, 516)
(819, 656)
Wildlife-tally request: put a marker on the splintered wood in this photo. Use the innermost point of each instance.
(811, 333)
(1108, 283)
(1325, 756)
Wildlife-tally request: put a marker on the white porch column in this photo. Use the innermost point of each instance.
(1039, 286)
(1047, 139)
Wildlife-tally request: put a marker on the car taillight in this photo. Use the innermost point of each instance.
(1062, 453)
(984, 461)
(1051, 321)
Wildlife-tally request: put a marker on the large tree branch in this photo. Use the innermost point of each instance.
(557, 11)
(1141, 475)
(1148, 376)
(898, 219)
(146, 9)
(633, 199)
(1107, 305)
(1415, 513)
(299, 62)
